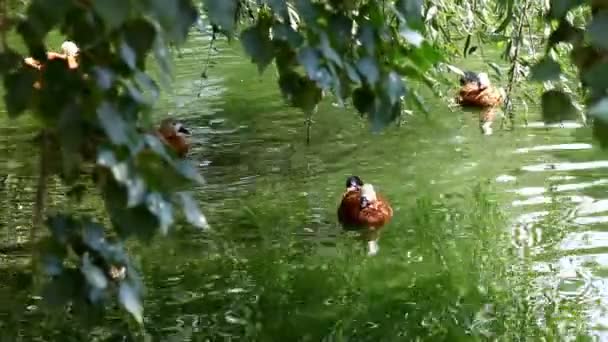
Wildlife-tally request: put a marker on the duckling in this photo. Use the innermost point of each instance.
(363, 210)
(477, 91)
(173, 134)
(70, 53)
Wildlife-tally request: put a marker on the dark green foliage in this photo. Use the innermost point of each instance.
(557, 106)
(321, 40)
(91, 119)
(372, 53)
(546, 70)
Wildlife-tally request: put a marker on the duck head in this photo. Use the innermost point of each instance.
(170, 127)
(70, 48)
(483, 80)
(353, 183)
(469, 77)
(368, 195)
(180, 129)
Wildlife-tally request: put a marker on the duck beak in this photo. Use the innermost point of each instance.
(364, 202)
(183, 130)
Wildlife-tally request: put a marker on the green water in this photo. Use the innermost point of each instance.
(479, 248)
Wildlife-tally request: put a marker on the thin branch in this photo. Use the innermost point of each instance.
(514, 63)
(41, 193)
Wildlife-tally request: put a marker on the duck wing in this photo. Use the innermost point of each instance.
(468, 94)
(377, 214)
(348, 211)
(490, 97)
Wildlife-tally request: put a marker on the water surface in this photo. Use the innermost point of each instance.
(493, 237)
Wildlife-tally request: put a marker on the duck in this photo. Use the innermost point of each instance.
(476, 90)
(70, 54)
(365, 211)
(174, 135)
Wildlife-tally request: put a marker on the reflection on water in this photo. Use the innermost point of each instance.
(268, 192)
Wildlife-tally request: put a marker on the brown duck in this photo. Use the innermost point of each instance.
(363, 210)
(477, 91)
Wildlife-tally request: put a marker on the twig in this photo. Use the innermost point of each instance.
(204, 73)
(513, 70)
(41, 193)
(4, 23)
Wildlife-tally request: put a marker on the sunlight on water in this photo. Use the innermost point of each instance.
(546, 200)
(593, 208)
(260, 176)
(530, 191)
(566, 166)
(589, 220)
(563, 147)
(584, 240)
(564, 124)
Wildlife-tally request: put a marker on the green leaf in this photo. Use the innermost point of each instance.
(113, 12)
(328, 51)
(176, 17)
(93, 274)
(9, 60)
(106, 158)
(192, 211)
(131, 301)
(394, 87)
(162, 209)
(367, 37)
(93, 235)
(508, 17)
(411, 10)
(310, 59)
(596, 77)
(309, 11)
(352, 73)
(61, 227)
(73, 127)
(127, 54)
(383, 113)
(467, 43)
(187, 15)
(369, 70)
(19, 90)
(189, 171)
(300, 91)
(425, 56)
(52, 265)
(283, 31)
(557, 106)
(112, 123)
(415, 99)
(61, 289)
(565, 32)
(222, 13)
(411, 36)
(139, 35)
(105, 77)
(44, 14)
(597, 30)
(363, 99)
(257, 44)
(340, 30)
(496, 68)
(279, 7)
(600, 132)
(545, 70)
(559, 8)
